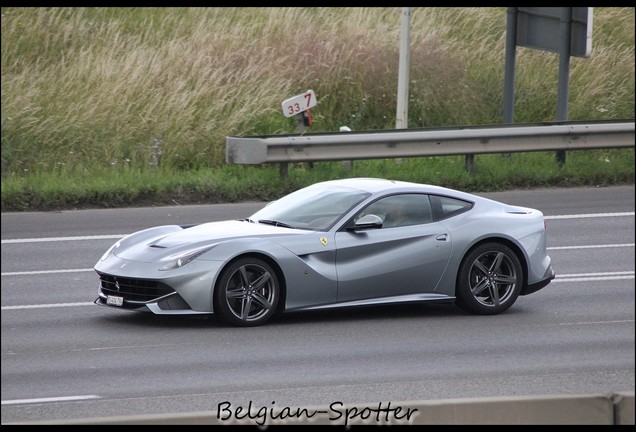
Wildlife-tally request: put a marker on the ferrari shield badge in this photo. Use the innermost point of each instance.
(324, 241)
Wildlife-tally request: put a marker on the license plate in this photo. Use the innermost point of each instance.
(115, 301)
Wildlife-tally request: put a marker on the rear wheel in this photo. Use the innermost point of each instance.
(247, 293)
(490, 279)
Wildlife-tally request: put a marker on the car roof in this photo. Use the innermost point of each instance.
(379, 185)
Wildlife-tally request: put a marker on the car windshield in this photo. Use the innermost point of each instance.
(315, 207)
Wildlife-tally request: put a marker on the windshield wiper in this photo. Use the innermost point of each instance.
(275, 223)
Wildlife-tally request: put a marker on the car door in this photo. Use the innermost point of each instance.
(395, 259)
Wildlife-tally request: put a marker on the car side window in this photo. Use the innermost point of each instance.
(445, 207)
(401, 210)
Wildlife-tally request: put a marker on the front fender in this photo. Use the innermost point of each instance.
(309, 279)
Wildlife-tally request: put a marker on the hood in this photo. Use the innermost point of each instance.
(218, 231)
(164, 244)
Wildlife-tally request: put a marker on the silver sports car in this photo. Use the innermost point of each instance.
(337, 243)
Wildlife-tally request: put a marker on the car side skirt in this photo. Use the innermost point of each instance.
(409, 298)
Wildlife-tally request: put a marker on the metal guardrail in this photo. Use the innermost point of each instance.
(404, 143)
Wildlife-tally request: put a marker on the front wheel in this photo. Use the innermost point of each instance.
(489, 280)
(247, 293)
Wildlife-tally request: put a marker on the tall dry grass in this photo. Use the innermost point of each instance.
(133, 87)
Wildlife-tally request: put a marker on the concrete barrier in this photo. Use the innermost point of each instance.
(624, 408)
(592, 409)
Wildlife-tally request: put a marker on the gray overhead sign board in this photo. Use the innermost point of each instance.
(539, 28)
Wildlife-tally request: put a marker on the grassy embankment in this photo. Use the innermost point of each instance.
(129, 106)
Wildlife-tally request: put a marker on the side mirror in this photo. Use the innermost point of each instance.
(369, 221)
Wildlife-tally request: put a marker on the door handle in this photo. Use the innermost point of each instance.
(442, 237)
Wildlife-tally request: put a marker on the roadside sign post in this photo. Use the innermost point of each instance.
(563, 30)
(298, 106)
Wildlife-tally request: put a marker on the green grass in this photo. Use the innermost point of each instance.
(105, 107)
(129, 187)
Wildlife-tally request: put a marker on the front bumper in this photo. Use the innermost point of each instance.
(171, 304)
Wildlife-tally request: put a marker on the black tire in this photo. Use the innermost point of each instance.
(247, 293)
(489, 280)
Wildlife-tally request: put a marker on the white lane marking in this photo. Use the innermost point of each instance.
(34, 272)
(579, 275)
(590, 215)
(598, 322)
(591, 246)
(44, 306)
(50, 399)
(52, 239)
(589, 279)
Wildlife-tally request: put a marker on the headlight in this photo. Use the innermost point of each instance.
(178, 261)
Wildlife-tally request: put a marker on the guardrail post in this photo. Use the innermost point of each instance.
(470, 163)
(303, 119)
(348, 165)
(283, 169)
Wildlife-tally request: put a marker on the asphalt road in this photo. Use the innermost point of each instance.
(65, 358)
